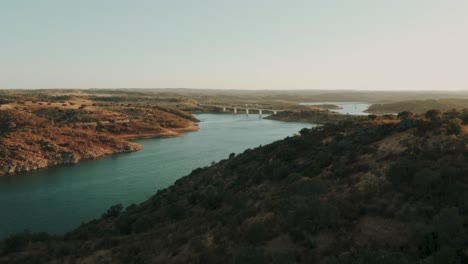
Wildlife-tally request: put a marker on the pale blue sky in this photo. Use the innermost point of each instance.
(241, 44)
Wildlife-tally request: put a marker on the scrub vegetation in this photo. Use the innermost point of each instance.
(375, 190)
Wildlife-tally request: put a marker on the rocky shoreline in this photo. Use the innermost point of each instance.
(62, 158)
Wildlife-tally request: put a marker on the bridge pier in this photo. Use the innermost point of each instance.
(246, 111)
(235, 110)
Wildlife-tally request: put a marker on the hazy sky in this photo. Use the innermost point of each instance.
(236, 44)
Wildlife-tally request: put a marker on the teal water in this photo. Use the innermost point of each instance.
(60, 198)
(348, 108)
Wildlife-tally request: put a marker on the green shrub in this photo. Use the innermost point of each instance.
(252, 255)
(454, 126)
(17, 242)
(425, 180)
(113, 211)
(449, 225)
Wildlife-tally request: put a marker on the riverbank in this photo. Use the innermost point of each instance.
(57, 199)
(313, 117)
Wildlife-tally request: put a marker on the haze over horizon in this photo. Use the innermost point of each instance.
(220, 44)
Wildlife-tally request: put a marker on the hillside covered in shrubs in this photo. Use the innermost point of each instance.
(380, 190)
(419, 106)
(313, 116)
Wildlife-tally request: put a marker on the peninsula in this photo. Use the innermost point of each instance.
(39, 130)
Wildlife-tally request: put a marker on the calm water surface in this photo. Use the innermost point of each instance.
(60, 198)
(352, 108)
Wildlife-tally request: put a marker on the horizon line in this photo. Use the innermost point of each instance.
(240, 89)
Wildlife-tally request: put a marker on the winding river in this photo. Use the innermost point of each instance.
(60, 198)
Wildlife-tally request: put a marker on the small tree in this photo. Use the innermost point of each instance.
(113, 211)
(454, 126)
(304, 131)
(405, 115)
(433, 115)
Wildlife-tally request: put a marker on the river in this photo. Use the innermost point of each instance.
(58, 199)
(347, 108)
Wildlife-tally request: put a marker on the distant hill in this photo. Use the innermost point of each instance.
(418, 106)
(373, 191)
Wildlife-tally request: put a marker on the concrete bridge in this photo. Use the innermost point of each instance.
(245, 109)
